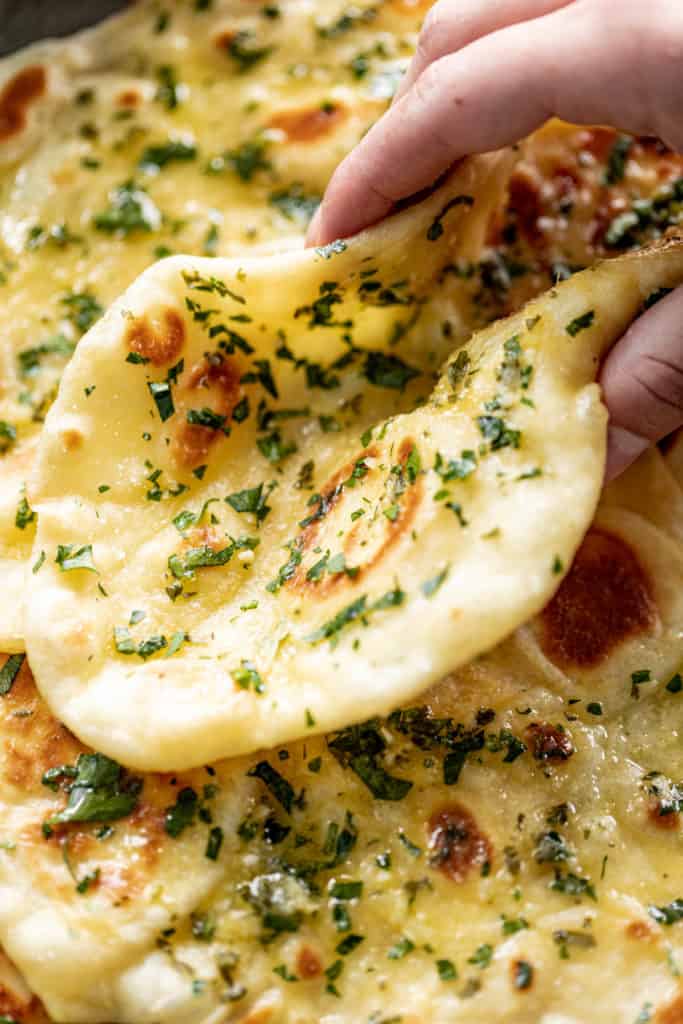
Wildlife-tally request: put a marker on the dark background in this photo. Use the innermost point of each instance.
(23, 21)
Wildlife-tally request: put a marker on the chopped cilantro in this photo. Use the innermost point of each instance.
(494, 429)
(9, 672)
(70, 557)
(247, 677)
(214, 843)
(130, 209)
(669, 914)
(169, 91)
(251, 500)
(348, 944)
(246, 55)
(182, 813)
(8, 436)
(273, 448)
(482, 956)
(616, 162)
(84, 309)
(523, 975)
(580, 323)
(675, 685)
(24, 515)
(98, 790)
(360, 748)
(295, 204)
(573, 885)
(447, 970)
(206, 417)
(276, 783)
(154, 158)
(400, 949)
(388, 371)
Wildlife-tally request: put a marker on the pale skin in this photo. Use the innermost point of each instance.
(486, 74)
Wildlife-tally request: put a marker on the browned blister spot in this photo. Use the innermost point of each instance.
(639, 930)
(666, 820)
(223, 40)
(308, 963)
(456, 843)
(159, 339)
(71, 439)
(605, 600)
(27, 86)
(310, 123)
(18, 1010)
(33, 739)
(129, 98)
(672, 1013)
(215, 384)
(356, 544)
(547, 742)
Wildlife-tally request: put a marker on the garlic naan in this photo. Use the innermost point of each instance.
(196, 601)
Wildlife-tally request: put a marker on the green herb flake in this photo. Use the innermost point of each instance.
(251, 500)
(447, 970)
(24, 515)
(616, 162)
(401, 949)
(388, 371)
(523, 975)
(70, 557)
(130, 210)
(669, 914)
(348, 944)
(214, 843)
(9, 672)
(276, 783)
(482, 956)
(430, 587)
(98, 790)
(247, 677)
(163, 399)
(182, 813)
(675, 685)
(580, 323)
(154, 158)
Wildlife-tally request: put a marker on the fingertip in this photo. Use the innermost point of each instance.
(623, 448)
(314, 230)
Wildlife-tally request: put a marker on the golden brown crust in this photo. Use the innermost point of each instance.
(605, 600)
(161, 343)
(457, 845)
(27, 86)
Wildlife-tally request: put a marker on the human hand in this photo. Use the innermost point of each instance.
(486, 74)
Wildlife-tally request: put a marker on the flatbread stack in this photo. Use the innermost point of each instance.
(335, 690)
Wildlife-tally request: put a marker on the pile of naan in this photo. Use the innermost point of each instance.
(336, 690)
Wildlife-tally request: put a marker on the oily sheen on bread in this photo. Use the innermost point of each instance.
(369, 874)
(204, 128)
(165, 632)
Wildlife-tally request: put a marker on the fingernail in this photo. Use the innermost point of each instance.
(623, 448)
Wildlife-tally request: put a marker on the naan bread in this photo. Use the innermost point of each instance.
(505, 851)
(206, 128)
(179, 634)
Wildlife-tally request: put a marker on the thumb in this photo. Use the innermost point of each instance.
(642, 381)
